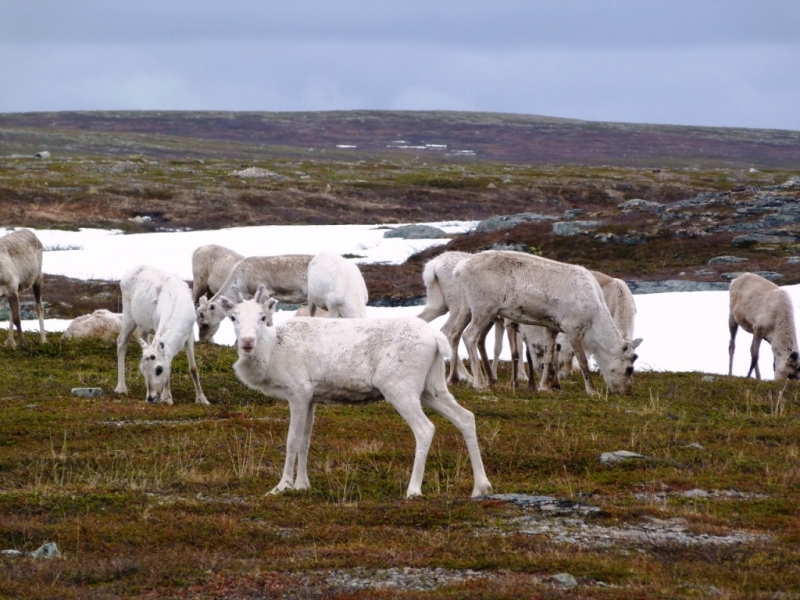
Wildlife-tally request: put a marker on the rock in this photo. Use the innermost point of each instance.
(708, 378)
(48, 550)
(771, 275)
(726, 260)
(571, 215)
(675, 285)
(83, 392)
(761, 238)
(570, 228)
(566, 580)
(793, 260)
(695, 493)
(694, 446)
(638, 204)
(792, 182)
(548, 504)
(608, 458)
(255, 172)
(509, 221)
(42, 154)
(415, 232)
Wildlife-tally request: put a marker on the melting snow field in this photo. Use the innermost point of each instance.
(682, 331)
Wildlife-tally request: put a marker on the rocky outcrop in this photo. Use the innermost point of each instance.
(509, 221)
(415, 232)
(675, 285)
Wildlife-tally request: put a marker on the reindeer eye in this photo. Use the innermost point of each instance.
(211, 307)
(233, 318)
(263, 317)
(151, 357)
(635, 356)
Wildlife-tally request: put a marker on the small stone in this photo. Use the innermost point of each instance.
(708, 378)
(48, 550)
(695, 493)
(608, 458)
(88, 392)
(726, 260)
(566, 580)
(694, 446)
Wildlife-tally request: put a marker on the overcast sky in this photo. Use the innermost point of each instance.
(687, 62)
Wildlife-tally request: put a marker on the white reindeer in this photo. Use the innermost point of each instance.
(536, 291)
(20, 269)
(211, 266)
(622, 307)
(307, 361)
(336, 285)
(762, 308)
(285, 276)
(101, 324)
(159, 303)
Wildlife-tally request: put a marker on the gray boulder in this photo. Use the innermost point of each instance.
(415, 232)
(771, 275)
(509, 221)
(675, 285)
(571, 228)
(726, 260)
(638, 204)
(759, 238)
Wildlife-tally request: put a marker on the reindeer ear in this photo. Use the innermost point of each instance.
(261, 294)
(227, 305)
(271, 304)
(636, 343)
(143, 344)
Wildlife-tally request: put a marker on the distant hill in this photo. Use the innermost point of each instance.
(446, 136)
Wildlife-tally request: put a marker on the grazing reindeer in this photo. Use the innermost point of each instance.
(532, 290)
(286, 278)
(336, 285)
(348, 361)
(159, 303)
(211, 265)
(765, 310)
(21, 268)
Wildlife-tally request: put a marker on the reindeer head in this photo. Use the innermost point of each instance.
(209, 316)
(250, 317)
(787, 367)
(156, 367)
(618, 369)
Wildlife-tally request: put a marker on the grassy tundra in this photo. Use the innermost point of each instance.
(168, 501)
(151, 501)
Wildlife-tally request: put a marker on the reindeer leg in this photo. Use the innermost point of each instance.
(301, 481)
(295, 441)
(734, 327)
(37, 294)
(754, 347)
(577, 347)
(128, 327)
(14, 317)
(199, 396)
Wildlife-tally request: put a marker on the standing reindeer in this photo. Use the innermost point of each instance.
(21, 268)
(159, 303)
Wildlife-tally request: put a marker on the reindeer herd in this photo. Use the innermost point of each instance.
(554, 311)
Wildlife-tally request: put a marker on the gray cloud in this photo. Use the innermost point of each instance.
(731, 63)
